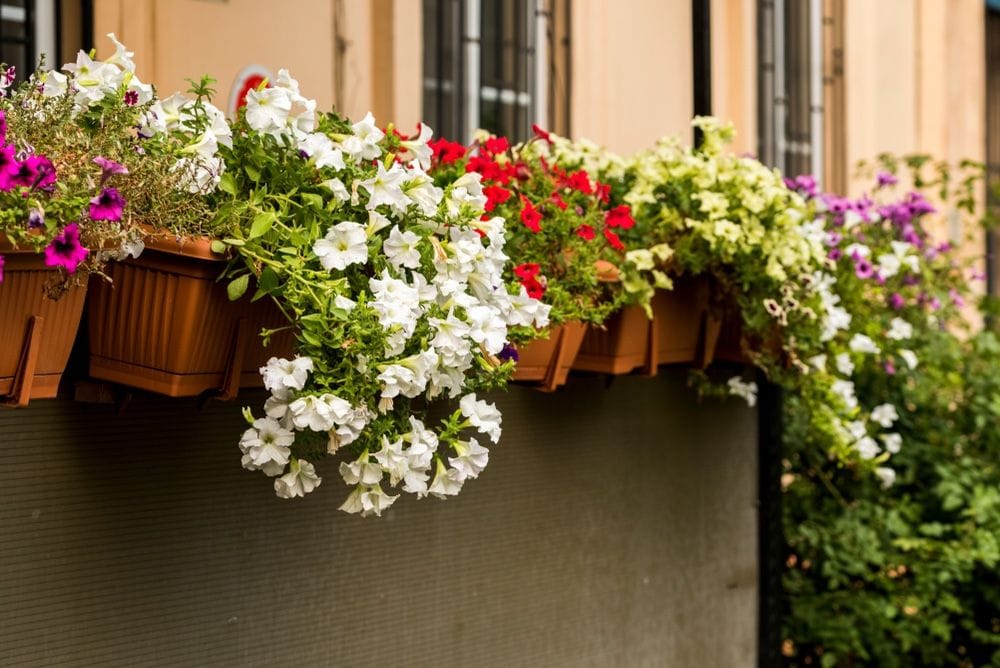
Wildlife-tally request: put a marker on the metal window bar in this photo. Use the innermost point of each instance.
(791, 85)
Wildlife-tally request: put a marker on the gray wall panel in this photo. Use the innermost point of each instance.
(614, 526)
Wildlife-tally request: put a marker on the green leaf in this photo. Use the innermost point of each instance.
(237, 287)
(268, 280)
(234, 242)
(313, 200)
(261, 224)
(228, 184)
(218, 246)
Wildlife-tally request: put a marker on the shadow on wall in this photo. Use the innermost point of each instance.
(614, 526)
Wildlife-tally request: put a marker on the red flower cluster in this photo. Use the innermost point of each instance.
(620, 216)
(445, 151)
(527, 274)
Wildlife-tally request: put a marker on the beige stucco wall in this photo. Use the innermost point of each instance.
(734, 68)
(367, 54)
(631, 71)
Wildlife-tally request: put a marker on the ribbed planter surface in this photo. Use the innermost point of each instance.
(166, 325)
(548, 361)
(631, 341)
(36, 333)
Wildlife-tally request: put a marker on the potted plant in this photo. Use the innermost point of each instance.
(71, 187)
(562, 240)
(164, 322)
(394, 287)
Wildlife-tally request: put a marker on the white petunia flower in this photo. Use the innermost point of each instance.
(866, 447)
(267, 110)
(884, 415)
(363, 144)
(909, 357)
(482, 415)
(299, 481)
(745, 390)
(861, 343)
(886, 475)
(368, 500)
(322, 151)
(266, 446)
(471, 458)
(844, 363)
(281, 374)
(361, 471)
(386, 187)
(401, 248)
(417, 149)
(818, 362)
(845, 390)
(447, 482)
(344, 244)
(899, 329)
(319, 413)
(893, 442)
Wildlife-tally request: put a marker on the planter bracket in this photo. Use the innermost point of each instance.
(20, 390)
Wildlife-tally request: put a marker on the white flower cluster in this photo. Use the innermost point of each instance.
(90, 81)
(435, 267)
(202, 127)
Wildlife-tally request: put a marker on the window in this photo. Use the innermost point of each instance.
(483, 66)
(28, 30)
(792, 80)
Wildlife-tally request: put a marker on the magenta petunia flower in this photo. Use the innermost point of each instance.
(897, 301)
(107, 206)
(65, 249)
(863, 268)
(35, 171)
(884, 179)
(131, 98)
(8, 167)
(1, 268)
(109, 168)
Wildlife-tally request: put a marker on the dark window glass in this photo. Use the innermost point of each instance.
(443, 22)
(17, 44)
(506, 66)
(993, 142)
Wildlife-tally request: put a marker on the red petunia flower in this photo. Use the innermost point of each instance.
(603, 192)
(527, 270)
(489, 169)
(579, 181)
(495, 195)
(558, 201)
(446, 151)
(614, 240)
(530, 216)
(495, 145)
(540, 133)
(620, 216)
(585, 232)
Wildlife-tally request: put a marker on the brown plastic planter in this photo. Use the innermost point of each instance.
(548, 361)
(681, 332)
(36, 333)
(166, 325)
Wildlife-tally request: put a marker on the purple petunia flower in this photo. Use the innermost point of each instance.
(884, 179)
(36, 219)
(509, 353)
(1, 268)
(107, 206)
(956, 298)
(65, 249)
(835, 254)
(863, 268)
(897, 301)
(890, 368)
(131, 98)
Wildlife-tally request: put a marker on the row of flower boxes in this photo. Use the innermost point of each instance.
(164, 324)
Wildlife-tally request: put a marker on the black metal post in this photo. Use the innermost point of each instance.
(770, 534)
(701, 47)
